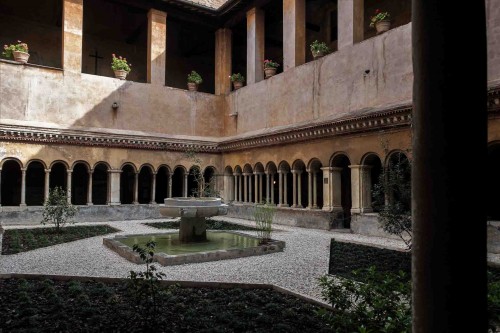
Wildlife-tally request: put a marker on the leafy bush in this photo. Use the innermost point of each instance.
(270, 64)
(263, 215)
(237, 78)
(194, 77)
(57, 209)
(317, 47)
(381, 304)
(379, 16)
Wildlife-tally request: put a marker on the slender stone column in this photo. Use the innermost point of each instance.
(46, 185)
(69, 173)
(327, 188)
(280, 188)
(136, 188)
(153, 189)
(261, 199)
(245, 187)
(240, 188)
(114, 186)
(294, 33)
(235, 187)
(185, 189)
(255, 45)
(299, 189)
(272, 188)
(72, 36)
(89, 188)
(350, 22)
(294, 188)
(449, 218)
(170, 185)
(157, 47)
(285, 189)
(223, 61)
(309, 189)
(257, 190)
(250, 187)
(315, 190)
(23, 187)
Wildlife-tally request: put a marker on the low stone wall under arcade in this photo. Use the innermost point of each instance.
(306, 218)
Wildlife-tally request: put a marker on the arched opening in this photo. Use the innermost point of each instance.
(100, 184)
(375, 176)
(127, 183)
(342, 173)
(35, 184)
(178, 182)
(316, 178)
(161, 191)
(145, 183)
(398, 178)
(493, 203)
(286, 182)
(79, 184)
(11, 183)
(58, 176)
(238, 188)
(193, 181)
(261, 183)
(229, 184)
(273, 193)
(210, 182)
(248, 183)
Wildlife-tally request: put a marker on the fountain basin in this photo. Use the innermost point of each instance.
(170, 250)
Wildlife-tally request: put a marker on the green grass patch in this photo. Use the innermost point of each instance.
(21, 240)
(211, 225)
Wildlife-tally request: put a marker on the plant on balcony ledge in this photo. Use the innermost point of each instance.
(270, 68)
(319, 49)
(17, 51)
(381, 21)
(237, 80)
(194, 79)
(120, 67)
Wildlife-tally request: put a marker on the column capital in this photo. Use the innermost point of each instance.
(46, 170)
(326, 168)
(336, 169)
(69, 170)
(360, 166)
(247, 173)
(24, 169)
(258, 173)
(115, 171)
(298, 172)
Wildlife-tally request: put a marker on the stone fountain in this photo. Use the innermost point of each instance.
(193, 212)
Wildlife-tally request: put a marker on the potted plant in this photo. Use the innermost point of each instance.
(17, 51)
(120, 67)
(319, 49)
(237, 80)
(270, 68)
(194, 79)
(381, 21)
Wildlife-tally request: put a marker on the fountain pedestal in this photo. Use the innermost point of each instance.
(193, 212)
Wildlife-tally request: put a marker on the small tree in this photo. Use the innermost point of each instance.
(203, 189)
(264, 214)
(393, 197)
(57, 209)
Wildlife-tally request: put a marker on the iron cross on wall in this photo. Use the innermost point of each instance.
(97, 57)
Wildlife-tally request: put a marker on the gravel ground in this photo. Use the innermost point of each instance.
(304, 259)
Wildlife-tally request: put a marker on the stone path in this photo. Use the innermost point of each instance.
(303, 261)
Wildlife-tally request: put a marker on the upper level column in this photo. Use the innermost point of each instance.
(294, 33)
(223, 50)
(350, 22)
(255, 45)
(157, 46)
(72, 35)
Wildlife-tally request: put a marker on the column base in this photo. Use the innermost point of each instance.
(361, 210)
(283, 205)
(114, 203)
(23, 205)
(327, 208)
(135, 203)
(90, 204)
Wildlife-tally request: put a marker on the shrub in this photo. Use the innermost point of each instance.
(9, 49)
(194, 77)
(270, 64)
(237, 78)
(120, 63)
(263, 215)
(57, 209)
(379, 16)
(317, 47)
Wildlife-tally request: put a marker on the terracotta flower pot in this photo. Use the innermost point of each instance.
(121, 74)
(192, 86)
(382, 26)
(270, 71)
(20, 56)
(237, 85)
(317, 54)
